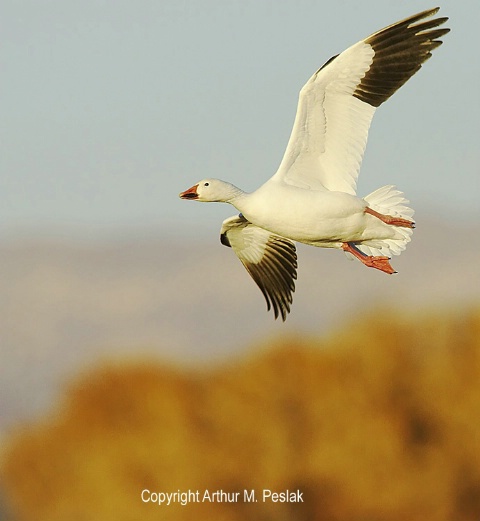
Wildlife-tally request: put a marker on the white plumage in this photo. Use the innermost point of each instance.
(312, 196)
(330, 131)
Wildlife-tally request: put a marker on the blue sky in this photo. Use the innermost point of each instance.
(110, 108)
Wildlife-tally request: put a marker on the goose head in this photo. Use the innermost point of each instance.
(211, 190)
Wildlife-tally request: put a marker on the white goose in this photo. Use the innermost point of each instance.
(312, 197)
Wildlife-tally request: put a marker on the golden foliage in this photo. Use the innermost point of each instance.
(378, 422)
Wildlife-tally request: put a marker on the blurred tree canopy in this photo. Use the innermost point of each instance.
(380, 421)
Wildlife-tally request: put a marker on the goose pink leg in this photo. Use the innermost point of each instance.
(380, 263)
(390, 219)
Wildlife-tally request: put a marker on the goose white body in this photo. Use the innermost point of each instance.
(312, 197)
(332, 217)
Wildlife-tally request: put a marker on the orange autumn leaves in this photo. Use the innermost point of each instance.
(380, 421)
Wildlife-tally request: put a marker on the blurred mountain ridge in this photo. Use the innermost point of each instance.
(66, 303)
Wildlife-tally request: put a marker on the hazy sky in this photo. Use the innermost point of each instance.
(110, 108)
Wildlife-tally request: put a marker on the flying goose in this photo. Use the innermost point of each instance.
(312, 197)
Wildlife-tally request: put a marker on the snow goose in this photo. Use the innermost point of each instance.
(312, 197)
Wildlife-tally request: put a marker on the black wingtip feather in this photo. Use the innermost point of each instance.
(400, 50)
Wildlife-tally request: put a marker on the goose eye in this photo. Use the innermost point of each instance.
(206, 184)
